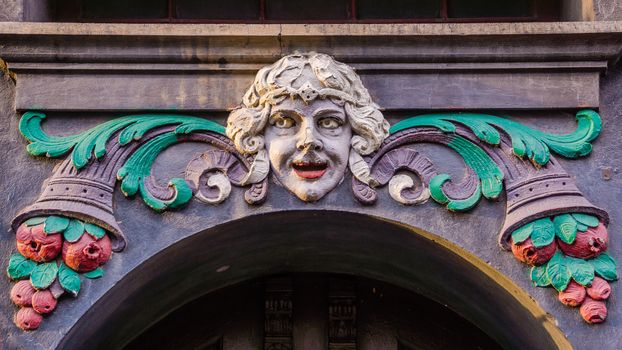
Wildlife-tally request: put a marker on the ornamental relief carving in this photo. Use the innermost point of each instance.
(308, 120)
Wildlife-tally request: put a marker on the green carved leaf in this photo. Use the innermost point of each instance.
(137, 170)
(55, 224)
(491, 177)
(582, 271)
(43, 275)
(581, 227)
(97, 273)
(539, 277)
(94, 230)
(586, 219)
(522, 233)
(543, 232)
(93, 142)
(605, 266)
(526, 142)
(74, 231)
(565, 228)
(488, 173)
(558, 272)
(19, 266)
(140, 127)
(194, 125)
(69, 279)
(436, 188)
(437, 193)
(41, 143)
(35, 221)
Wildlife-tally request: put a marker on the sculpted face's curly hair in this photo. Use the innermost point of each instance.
(285, 79)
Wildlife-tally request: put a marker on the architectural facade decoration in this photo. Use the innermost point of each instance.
(278, 323)
(305, 120)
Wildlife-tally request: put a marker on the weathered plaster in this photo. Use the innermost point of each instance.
(608, 10)
(250, 30)
(152, 233)
(598, 176)
(489, 66)
(11, 10)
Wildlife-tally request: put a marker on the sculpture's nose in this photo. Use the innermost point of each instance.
(309, 140)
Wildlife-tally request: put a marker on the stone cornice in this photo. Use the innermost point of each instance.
(354, 29)
(405, 66)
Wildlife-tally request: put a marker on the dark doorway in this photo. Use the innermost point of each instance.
(313, 312)
(254, 247)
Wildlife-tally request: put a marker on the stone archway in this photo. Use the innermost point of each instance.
(315, 241)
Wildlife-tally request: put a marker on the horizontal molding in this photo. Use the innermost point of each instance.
(111, 67)
(222, 91)
(343, 29)
(86, 68)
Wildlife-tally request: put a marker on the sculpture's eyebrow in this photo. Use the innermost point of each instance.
(336, 111)
(285, 111)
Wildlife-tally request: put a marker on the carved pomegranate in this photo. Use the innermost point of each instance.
(587, 244)
(87, 253)
(599, 290)
(573, 295)
(22, 292)
(43, 301)
(529, 254)
(27, 319)
(593, 311)
(36, 245)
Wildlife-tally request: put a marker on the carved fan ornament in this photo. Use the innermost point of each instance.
(307, 118)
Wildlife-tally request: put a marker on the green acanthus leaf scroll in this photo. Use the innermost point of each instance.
(92, 144)
(490, 176)
(527, 142)
(138, 168)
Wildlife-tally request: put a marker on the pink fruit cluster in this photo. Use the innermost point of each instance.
(586, 245)
(86, 254)
(592, 299)
(34, 303)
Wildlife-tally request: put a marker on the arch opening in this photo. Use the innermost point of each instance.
(318, 241)
(313, 311)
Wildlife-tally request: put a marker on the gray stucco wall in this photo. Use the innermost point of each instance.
(608, 10)
(151, 233)
(11, 11)
(599, 177)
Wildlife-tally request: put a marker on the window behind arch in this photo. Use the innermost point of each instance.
(305, 11)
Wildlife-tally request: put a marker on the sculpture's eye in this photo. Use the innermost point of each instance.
(283, 122)
(329, 123)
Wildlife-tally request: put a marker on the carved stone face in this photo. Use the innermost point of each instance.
(308, 145)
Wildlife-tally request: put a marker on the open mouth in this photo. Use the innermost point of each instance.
(309, 170)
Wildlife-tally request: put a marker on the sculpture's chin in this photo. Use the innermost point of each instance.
(309, 191)
(310, 196)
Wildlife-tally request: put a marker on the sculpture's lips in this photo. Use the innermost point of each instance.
(309, 170)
